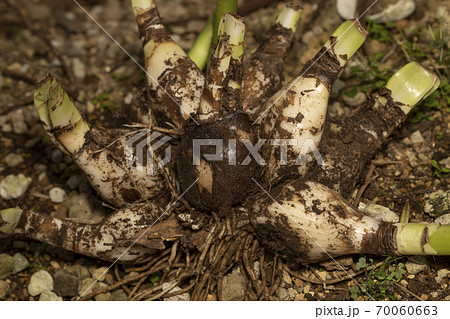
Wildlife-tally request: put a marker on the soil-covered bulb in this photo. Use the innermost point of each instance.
(216, 156)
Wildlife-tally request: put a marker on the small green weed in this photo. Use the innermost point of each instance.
(154, 279)
(439, 170)
(434, 102)
(379, 281)
(374, 78)
(102, 101)
(118, 76)
(381, 32)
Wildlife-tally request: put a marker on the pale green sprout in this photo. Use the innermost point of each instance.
(346, 40)
(412, 84)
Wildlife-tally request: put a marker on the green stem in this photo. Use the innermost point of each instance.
(289, 16)
(412, 84)
(423, 239)
(199, 52)
(222, 6)
(230, 38)
(60, 117)
(346, 40)
(224, 64)
(143, 4)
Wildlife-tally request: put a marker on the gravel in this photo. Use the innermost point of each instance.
(282, 294)
(100, 273)
(445, 163)
(57, 195)
(416, 265)
(84, 207)
(18, 122)
(233, 286)
(81, 271)
(437, 203)
(337, 87)
(20, 263)
(40, 281)
(443, 220)
(74, 181)
(118, 295)
(287, 278)
(49, 296)
(57, 156)
(416, 137)
(86, 286)
(4, 289)
(104, 296)
(181, 297)
(12, 160)
(379, 212)
(6, 264)
(441, 274)
(357, 100)
(66, 283)
(14, 186)
(89, 284)
(79, 69)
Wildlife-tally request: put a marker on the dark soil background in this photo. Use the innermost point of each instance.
(37, 37)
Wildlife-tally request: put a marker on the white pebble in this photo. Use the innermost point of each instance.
(40, 281)
(379, 212)
(413, 267)
(443, 220)
(49, 296)
(14, 186)
(13, 160)
(57, 195)
(416, 137)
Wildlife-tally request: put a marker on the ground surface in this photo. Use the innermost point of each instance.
(58, 37)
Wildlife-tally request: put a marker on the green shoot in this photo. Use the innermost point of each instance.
(379, 281)
(381, 32)
(118, 76)
(199, 52)
(439, 170)
(154, 279)
(102, 102)
(222, 6)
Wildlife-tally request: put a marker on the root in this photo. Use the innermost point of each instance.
(230, 242)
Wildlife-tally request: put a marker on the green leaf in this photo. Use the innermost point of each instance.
(379, 56)
(432, 102)
(118, 76)
(399, 273)
(351, 93)
(379, 84)
(417, 118)
(110, 106)
(100, 98)
(354, 292)
(355, 69)
(391, 24)
(435, 164)
(154, 279)
(361, 263)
